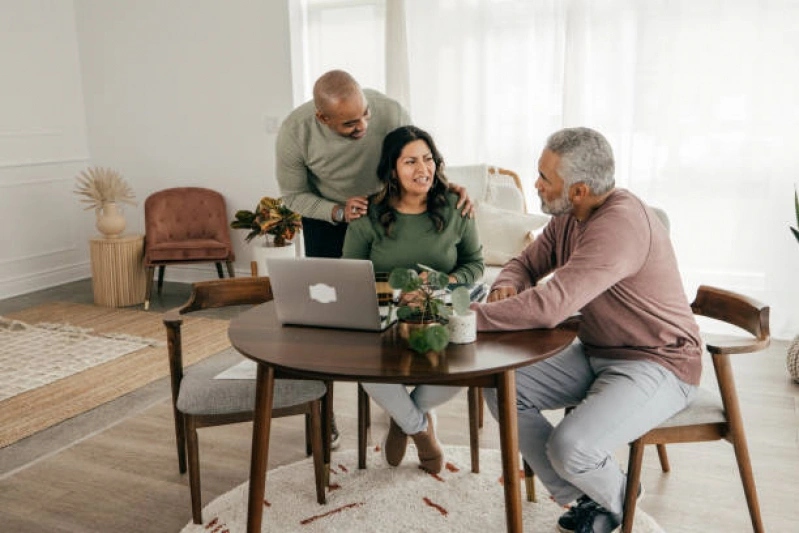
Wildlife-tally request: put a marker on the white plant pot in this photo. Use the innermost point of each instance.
(265, 250)
(462, 328)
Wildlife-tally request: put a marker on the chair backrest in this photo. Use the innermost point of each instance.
(228, 292)
(186, 213)
(738, 310)
(493, 185)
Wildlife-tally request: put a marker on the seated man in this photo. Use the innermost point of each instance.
(637, 360)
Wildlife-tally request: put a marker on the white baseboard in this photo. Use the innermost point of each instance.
(35, 281)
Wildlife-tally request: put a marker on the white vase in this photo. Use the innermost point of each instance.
(110, 220)
(462, 328)
(265, 249)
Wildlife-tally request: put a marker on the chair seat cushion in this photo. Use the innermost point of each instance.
(188, 250)
(706, 408)
(201, 394)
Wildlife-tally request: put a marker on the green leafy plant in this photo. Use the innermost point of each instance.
(423, 303)
(796, 206)
(270, 217)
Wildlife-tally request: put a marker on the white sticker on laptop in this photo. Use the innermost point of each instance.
(322, 293)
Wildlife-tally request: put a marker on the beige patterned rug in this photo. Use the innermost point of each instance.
(388, 500)
(82, 357)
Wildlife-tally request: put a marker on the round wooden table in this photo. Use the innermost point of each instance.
(344, 355)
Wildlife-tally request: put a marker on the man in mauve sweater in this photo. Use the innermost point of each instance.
(637, 360)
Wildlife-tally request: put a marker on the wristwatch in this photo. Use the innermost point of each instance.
(338, 214)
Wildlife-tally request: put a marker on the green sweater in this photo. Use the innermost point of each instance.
(317, 168)
(455, 250)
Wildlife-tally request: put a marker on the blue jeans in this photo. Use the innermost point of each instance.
(409, 409)
(616, 401)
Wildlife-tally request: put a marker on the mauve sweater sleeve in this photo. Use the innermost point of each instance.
(587, 259)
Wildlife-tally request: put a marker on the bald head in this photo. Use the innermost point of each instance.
(333, 87)
(340, 104)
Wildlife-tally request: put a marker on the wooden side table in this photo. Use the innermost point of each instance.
(118, 274)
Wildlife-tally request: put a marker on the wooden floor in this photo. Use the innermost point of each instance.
(115, 469)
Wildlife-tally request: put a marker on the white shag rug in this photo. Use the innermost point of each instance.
(384, 499)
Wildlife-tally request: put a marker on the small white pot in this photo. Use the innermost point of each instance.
(260, 254)
(462, 328)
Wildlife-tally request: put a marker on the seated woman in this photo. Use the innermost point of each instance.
(413, 220)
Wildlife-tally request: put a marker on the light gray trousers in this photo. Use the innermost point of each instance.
(615, 400)
(409, 409)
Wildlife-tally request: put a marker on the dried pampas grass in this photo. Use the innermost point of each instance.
(102, 185)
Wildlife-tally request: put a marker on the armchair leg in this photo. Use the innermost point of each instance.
(148, 291)
(230, 272)
(219, 270)
(161, 269)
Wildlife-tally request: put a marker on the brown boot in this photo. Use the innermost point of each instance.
(431, 457)
(396, 442)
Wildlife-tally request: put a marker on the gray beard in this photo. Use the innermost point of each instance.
(560, 206)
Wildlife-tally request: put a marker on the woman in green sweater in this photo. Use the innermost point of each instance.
(413, 220)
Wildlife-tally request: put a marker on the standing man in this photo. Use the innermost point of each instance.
(327, 154)
(637, 360)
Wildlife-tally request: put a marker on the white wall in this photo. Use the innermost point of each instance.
(42, 147)
(168, 92)
(179, 93)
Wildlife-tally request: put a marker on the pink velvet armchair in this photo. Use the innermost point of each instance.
(185, 225)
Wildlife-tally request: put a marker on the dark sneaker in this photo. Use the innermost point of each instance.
(590, 517)
(570, 520)
(335, 436)
(598, 520)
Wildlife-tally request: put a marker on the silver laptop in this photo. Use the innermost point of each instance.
(330, 293)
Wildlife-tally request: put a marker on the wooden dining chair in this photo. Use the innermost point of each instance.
(199, 400)
(710, 417)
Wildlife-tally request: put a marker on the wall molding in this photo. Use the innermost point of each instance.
(35, 281)
(44, 162)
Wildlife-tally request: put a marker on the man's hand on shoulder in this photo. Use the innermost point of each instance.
(501, 293)
(355, 208)
(464, 202)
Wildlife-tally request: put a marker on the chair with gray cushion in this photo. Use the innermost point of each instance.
(711, 416)
(200, 401)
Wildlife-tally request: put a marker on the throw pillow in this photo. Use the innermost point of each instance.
(503, 233)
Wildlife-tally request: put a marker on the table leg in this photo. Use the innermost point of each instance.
(509, 444)
(259, 458)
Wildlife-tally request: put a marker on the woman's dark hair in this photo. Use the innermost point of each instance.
(393, 144)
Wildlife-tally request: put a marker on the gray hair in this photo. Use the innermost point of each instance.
(585, 157)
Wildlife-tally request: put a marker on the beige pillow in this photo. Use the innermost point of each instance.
(504, 233)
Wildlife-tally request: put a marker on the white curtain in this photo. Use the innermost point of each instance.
(698, 99)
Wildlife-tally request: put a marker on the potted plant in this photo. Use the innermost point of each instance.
(423, 314)
(274, 221)
(104, 189)
(270, 217)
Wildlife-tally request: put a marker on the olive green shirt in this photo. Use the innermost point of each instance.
(317, 168)
(456, 250)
